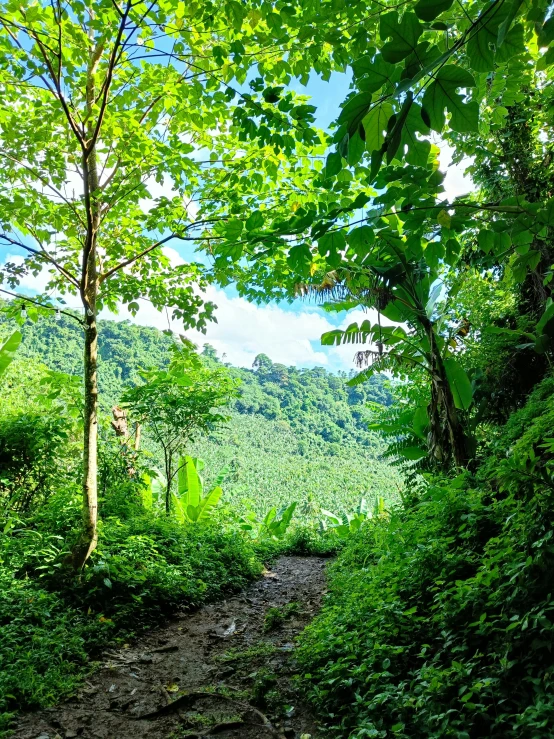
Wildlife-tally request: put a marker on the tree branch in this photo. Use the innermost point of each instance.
(42, 305)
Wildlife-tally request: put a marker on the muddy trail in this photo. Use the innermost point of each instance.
(226, 670)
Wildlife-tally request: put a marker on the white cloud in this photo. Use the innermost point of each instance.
(456, 182)
(244, 330)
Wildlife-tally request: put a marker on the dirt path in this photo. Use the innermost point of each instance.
(241, 648)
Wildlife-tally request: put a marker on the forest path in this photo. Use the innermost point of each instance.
(159, 688)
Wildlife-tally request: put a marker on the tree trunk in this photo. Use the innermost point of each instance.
(169, 479)
(89, 534)
(447, 436)
(88, 538)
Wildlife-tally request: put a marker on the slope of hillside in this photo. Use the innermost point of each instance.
(293, 434)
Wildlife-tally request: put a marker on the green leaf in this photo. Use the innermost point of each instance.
(375, 125)
(254, 221)
(356, 148)
(209, 503)
(8, 350)
(404, 35)
(413, 452)
(189, 484)
(354, 110)
(420, 422)
(486, 240)
(233, 228)
(459, 383)
(330, 244)
(299, 259)
(512, 46)
(334, 164)
(428, 10)
(375, 73)
(442, 94)
(360, 239)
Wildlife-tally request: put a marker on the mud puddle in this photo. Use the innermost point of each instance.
(226, 670)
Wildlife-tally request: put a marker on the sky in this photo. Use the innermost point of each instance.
(288, 333)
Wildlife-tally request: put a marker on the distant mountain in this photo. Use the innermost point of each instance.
(295, 434)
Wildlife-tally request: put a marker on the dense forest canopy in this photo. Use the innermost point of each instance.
(439, 618)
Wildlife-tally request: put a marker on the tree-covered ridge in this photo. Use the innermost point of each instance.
(293, 434)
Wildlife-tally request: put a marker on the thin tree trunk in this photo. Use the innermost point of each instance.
(168, 466)
(89, 292)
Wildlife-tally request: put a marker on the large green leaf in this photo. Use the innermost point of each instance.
(428, 10)
(299, 259)
(418, 149)
(8, 350)
(413, 452)
(361, 239)
(459, 382)
(375, 72)
(375, 125)
(189, 482)
(209, 503)
(404, 34)
(354, 110)
(329, 246)
(442, 93)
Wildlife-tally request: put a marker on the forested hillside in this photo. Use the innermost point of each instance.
(393, 162)
(292, 434)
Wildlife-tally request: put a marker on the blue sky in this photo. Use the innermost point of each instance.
(287, 332)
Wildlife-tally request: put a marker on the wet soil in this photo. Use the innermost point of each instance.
(226, 670)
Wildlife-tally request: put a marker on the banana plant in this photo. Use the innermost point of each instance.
(190, 504)
(273, 525)
(346, 524)
(8, 350)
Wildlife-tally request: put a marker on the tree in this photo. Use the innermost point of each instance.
(178, 404)
(105, 102)
(457, 70)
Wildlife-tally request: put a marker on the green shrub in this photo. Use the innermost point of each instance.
(144, 568)
(33, 458)
(440, 622)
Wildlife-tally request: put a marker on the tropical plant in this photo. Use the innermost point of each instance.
(179, 403)
(405, 290)
(99, 158)
(346, 524)
(190, 504)
(273, 525)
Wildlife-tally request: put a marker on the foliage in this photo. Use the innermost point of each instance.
(273, 525)
(438, 610)
(275, 617)
(190, 502)
(346, 524)
(301, 430)
(144, 568)
(34, 457)
(179, 403)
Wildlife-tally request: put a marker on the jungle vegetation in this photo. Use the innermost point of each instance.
(439, 619)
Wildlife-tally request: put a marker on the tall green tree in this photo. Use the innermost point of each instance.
(104, 103)
(421, 73)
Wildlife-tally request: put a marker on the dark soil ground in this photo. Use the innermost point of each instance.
(226, 670)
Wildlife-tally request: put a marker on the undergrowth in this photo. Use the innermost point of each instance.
(145, 568)
(440, 618)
